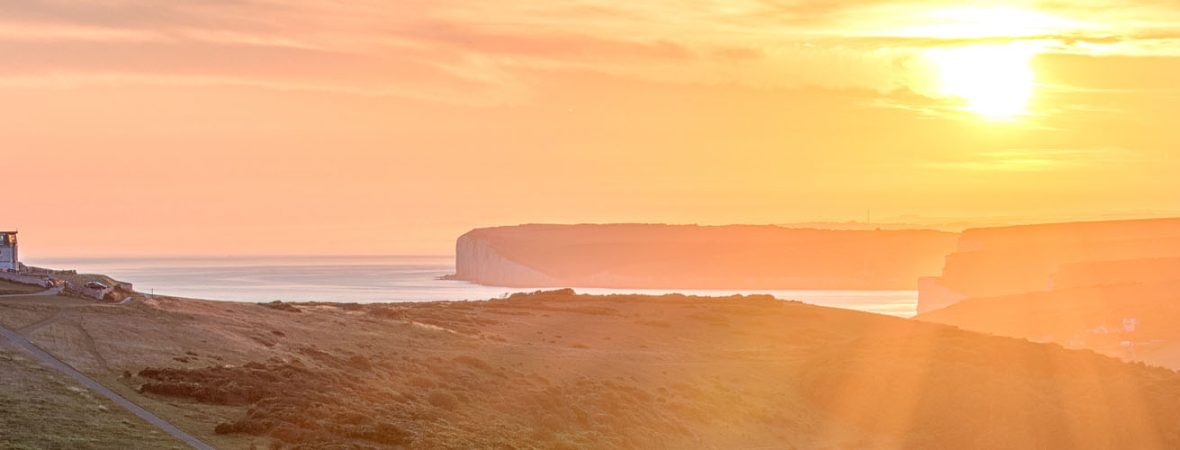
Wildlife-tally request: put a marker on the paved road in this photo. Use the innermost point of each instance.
(51, 361)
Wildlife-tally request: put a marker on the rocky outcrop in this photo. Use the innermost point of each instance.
(699, 257)
(993, 262)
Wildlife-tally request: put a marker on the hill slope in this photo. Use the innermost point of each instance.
(1134, 321)
(558, 370)
(40, 409)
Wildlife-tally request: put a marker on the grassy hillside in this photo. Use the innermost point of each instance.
(10, 288)
(40, 409)
(1135, 321)
(558, 370)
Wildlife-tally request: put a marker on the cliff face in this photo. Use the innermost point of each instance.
(476, 260)
(698, 257)
(992, 262)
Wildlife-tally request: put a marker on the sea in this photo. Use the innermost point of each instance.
(376, 279)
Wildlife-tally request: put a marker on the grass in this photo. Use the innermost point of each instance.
(40, 409)
(8, 288)
(560, 370)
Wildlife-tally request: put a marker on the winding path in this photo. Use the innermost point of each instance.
(49, 360)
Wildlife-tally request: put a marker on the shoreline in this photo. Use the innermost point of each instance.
(408, 280)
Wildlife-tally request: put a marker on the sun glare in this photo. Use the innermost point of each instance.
(993, 78)
(995, 81)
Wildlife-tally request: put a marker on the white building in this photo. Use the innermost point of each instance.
(9, 258)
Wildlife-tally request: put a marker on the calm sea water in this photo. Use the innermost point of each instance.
(381, 279)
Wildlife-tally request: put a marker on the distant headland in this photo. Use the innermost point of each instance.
(700, 257)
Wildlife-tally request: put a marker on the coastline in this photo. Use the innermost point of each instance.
(391, 279)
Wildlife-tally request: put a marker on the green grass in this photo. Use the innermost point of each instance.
(41, 409)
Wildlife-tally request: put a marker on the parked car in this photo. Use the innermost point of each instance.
(96, 285)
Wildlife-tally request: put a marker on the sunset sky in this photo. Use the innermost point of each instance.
(139, 127)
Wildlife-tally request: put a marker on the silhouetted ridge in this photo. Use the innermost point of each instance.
(1013, 260)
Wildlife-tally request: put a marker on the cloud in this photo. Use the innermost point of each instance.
(1037, 160)
(449, 46)
(544, 45)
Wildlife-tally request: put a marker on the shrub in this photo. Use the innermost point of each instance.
(443, 399)
(279, 305)
(473, 362)
(359, 362)
(422, 382)
(383, 433)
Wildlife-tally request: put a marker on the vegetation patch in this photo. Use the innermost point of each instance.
(279, 305)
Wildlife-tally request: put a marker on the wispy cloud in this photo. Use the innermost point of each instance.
(1037, 160)
(413, 46)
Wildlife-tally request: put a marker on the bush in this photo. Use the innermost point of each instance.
(443, 399)
(473, 362)
(383, 433)
(422, 382)
(279, 305)
(359, 362)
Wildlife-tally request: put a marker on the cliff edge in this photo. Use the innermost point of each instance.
(656, 256)
(1005, 261)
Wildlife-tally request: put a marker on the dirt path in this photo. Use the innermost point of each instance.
(49, 360)
(30, 328)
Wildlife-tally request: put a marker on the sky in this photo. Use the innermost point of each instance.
(300, 127)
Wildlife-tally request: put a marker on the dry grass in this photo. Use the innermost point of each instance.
(40, 409)
(8, 287)
(558, 370)
(1088, 317)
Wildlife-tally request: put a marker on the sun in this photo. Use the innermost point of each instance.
(995, 81)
